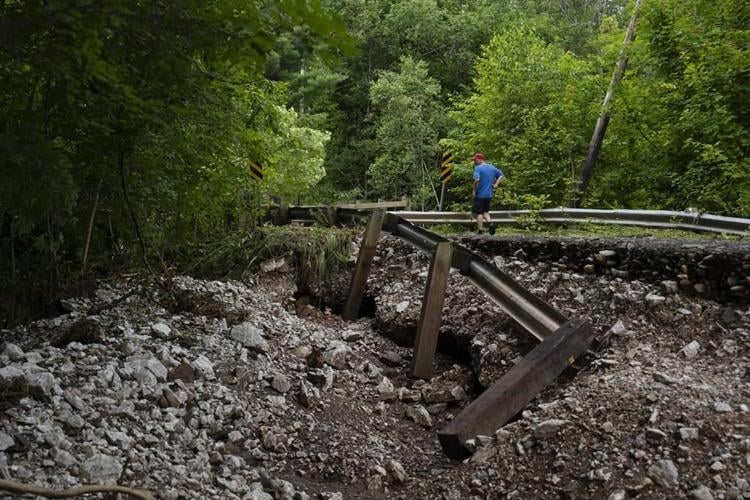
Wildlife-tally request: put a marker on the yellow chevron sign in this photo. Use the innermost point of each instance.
(446, 167)
(256, 170)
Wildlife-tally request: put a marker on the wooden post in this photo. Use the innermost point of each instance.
(281, 217)
(364, 259)
(283, 214)
(517, 388)
(332, 216)
(428, 327)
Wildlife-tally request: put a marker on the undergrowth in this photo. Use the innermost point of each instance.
(314, 252)
(317, 252)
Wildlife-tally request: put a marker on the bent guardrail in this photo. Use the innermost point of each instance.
(561, 340)
(529, 311)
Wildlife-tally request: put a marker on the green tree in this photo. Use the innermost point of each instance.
(681, 129)
(135, 116)
(530, 112)
(409, 120)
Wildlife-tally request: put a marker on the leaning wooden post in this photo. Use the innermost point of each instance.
(364, 259)
(428, 327)
(517, 388)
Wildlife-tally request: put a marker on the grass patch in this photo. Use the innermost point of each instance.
(593, 230)
(317, 252)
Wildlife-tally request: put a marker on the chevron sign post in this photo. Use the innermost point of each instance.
(446, 167)
(446, 171)
(256, 170)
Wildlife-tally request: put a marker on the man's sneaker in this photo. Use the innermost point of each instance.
(492, 229)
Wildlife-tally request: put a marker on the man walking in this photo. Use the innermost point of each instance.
(486, 179)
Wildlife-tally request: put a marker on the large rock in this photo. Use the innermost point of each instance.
(702, 493)
(256, 493)
(161, 330)
(13, 382)
(336, 355)
(13, 352)
(548, 428)
(42, 385)
(280, 383)
(664, 473)
(419, 415)
(6, 441)
(249, 336)
(147, 362)
(396, 471)
(203, 366)
(72, 397)
(691, 350)
(101, 469)
(145, 378)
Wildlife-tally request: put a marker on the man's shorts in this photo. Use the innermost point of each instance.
(480, 205)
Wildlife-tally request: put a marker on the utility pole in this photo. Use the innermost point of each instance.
(587, 170)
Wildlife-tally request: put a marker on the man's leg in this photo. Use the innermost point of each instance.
(480, 222)
(490, 227)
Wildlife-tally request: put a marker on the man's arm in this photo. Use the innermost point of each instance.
(498, 178)
(474, 187)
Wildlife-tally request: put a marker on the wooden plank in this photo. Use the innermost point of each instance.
(428, 327)
(509, 395)
(362, 269)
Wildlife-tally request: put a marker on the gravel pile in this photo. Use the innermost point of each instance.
(204, 389)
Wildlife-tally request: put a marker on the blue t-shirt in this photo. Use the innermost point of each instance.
(486, 173)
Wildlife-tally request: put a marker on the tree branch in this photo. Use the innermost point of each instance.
(21, 488)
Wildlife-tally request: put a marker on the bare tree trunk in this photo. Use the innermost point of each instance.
(14, 277)
(133, 217)
(302, 96)
(91, 225)
(587, 170)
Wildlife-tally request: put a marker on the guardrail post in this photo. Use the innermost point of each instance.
(407, 202)
(362, 270)
(332, 216)
(517, 388)
(428, 327)
(281, 217)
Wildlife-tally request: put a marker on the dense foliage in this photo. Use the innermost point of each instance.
(126, 127)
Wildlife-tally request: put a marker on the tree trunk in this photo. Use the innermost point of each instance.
(13, 277)
(133, 217)
(91, 225)
(587, 170)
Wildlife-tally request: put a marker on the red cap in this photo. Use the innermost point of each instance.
(478, 156)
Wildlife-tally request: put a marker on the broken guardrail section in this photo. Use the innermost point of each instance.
(562, 340)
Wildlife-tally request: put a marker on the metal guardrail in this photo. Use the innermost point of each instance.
(531, 312)
(528, 310)
(662, 219)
